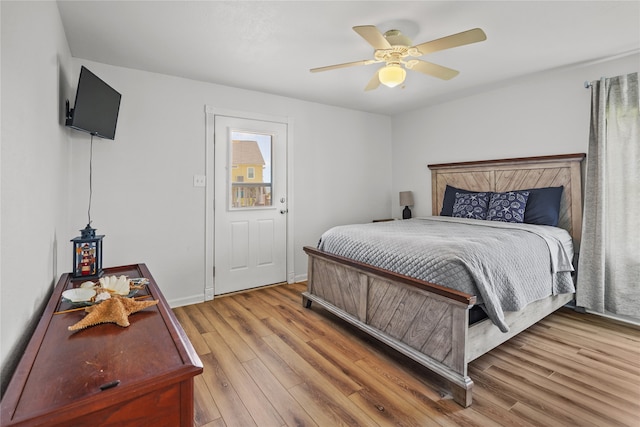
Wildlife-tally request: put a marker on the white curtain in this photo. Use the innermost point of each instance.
(609, 264)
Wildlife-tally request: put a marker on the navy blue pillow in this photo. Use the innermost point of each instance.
(450, 198)
(543, 206)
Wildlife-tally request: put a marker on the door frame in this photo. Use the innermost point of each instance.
(209, 227)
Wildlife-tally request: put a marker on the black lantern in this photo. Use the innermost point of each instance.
(87, 254)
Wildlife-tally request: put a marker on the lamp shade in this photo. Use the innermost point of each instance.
(406, 198)
(392, 75)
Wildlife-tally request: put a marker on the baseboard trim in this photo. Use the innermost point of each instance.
(180, 302)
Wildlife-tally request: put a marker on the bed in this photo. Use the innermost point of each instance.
(426, 321)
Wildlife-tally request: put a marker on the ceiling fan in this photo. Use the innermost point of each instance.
(393, 48)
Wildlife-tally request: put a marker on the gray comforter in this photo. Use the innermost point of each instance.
(506, 266)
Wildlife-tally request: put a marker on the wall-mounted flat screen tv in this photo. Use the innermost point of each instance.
(96, 108)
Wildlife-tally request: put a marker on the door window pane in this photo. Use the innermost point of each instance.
(251, 170)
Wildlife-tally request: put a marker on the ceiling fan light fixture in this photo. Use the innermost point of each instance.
(392, 75)
(393, 49)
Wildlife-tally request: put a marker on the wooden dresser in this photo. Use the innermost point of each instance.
(58, 380)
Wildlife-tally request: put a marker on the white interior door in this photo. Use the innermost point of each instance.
(250, 203)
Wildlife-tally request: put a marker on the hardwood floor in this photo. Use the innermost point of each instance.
(270, 362)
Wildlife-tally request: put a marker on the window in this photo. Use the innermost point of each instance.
(251, 170)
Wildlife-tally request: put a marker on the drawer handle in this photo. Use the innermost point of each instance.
(109, 385)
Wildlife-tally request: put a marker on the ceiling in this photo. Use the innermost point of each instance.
(270, 46)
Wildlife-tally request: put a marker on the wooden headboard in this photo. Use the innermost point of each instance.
(518, 174)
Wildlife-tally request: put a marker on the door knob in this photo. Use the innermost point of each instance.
(284, 211)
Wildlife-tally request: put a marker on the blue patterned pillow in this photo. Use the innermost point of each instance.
(471, 205)
(450, 198)
(508, 207)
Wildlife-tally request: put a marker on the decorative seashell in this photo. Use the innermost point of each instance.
(107, 282)
(117, 285)
(122, 286)
(102, 296)
(88, 285)
(104, 282)
(78, 294)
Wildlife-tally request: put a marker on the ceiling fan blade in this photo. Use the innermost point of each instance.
(373, 83)
(432, 69)
(454, 40)
(373, 36)
(345, 65)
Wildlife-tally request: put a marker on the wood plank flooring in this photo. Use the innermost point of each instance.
(270, 362)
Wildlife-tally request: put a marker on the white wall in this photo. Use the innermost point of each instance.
(34, 169)
(143, 195)
(542, 114)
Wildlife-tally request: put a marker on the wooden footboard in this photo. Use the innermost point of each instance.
(424, 321)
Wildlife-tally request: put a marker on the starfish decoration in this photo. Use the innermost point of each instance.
(113, 310)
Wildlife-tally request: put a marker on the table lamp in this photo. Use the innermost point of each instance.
(406, 200)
